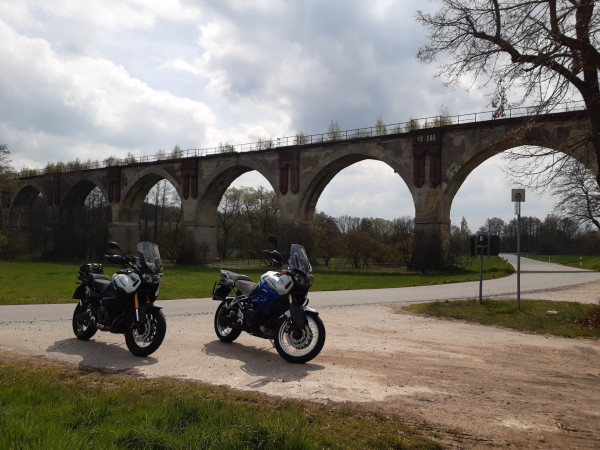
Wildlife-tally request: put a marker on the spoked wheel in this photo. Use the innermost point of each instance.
(146, 341)
(82, 329)
(300, 346)
(226, 326)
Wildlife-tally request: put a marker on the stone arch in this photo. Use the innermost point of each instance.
(76, 234)
(126, 210)
(200, 215)
(76, 194)
(315, 186)
(30, 219)
(459, 177)
(214, 186)
(132, 198)
(22, 202)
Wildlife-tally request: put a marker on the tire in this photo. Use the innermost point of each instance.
(226, 331)
(147, 342)
(82, 330)
(303, 348)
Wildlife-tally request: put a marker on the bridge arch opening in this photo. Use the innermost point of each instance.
(364, 214)
(366, 189)
(149, 209)
(81, 229)
(161, 218)
(30, 224)
(248, 212)
(485, 194)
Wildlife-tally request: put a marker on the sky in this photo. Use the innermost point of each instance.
(90, 79)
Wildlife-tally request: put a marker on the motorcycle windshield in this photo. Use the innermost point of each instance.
(299, 259)
(149, 256)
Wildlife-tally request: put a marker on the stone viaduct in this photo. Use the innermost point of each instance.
(433, 162)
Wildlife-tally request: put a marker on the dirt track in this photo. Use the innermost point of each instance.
(479, 386)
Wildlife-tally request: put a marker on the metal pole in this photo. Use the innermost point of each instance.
(518, 251)
(481, 277)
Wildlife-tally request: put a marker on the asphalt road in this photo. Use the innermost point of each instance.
(535, 276)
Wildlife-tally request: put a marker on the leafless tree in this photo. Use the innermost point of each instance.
(540, 52)
(7, 176)
(577, 194)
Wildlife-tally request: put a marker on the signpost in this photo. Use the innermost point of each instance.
(484, 244)
(518, 196)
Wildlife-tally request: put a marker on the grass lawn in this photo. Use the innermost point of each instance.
(57, 406)
(45, 282)
(532, 316)
(587, 262)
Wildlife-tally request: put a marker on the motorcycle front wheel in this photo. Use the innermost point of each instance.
(82, 330)
(226, 325)
(146, 341)
(300, 346)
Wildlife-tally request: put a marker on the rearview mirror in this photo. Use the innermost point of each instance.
(114, 246)
(273, 240)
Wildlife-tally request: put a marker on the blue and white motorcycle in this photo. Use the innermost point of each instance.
(274, 308)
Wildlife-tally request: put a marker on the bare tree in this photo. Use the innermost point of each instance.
(577, 194)
(540, 51)
(7, 176)
(333, 132)
(4, 159)
(380, 128)
(328, 241)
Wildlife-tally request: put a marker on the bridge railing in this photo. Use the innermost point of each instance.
(304, 139)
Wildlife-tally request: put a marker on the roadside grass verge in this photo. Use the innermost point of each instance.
(51, 405)
(532, 316)
(587, 262)
(46, 282)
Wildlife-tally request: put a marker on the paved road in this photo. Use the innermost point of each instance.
(535, 276)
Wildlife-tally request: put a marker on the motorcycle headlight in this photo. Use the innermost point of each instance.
(147, 278)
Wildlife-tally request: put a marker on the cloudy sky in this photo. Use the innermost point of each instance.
(90, 79)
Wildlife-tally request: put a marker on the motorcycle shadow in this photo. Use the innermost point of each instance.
(108, 357)
(261, 362)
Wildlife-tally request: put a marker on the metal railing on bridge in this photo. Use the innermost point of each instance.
(304, 139)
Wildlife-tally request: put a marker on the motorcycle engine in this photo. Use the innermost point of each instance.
(103, 316)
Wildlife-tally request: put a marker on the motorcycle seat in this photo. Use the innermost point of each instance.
(100, 283)
(238, 277)
(246, 286)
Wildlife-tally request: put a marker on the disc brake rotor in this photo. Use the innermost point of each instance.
(147, 334)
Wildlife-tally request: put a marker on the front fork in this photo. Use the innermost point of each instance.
(297, 316)
(139, 324)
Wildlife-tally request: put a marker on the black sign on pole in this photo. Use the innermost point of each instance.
(483, 244)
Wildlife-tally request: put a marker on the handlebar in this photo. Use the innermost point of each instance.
(117, 259)
(275, 255)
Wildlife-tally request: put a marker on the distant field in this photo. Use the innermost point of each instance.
(584, 262)
(45, 282)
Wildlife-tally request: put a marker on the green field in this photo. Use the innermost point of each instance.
(584, 262)
(44, 282)
(532, 316)
(55, 406)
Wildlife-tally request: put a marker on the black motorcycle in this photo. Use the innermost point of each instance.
(274, 308)
(124, 303)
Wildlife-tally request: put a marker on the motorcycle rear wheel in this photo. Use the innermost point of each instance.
(226, 331)
(300, 347)
(147, 342)
(82, 330)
